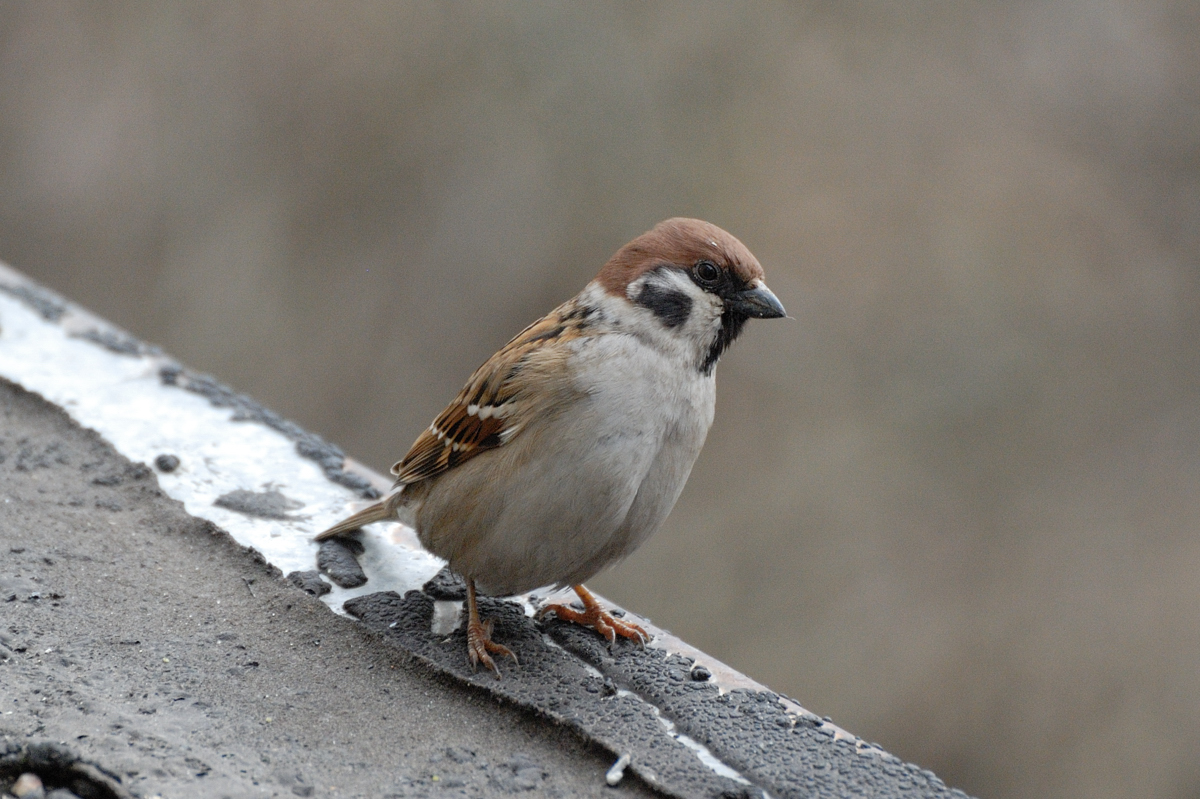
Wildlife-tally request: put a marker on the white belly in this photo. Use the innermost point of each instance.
(580, 489)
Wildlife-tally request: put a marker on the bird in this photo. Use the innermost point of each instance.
(569, 447)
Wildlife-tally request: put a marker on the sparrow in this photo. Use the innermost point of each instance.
(567, 449)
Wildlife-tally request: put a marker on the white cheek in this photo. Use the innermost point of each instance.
(690, 341)
(706, 315)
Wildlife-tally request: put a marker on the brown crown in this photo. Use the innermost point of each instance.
(680, 242)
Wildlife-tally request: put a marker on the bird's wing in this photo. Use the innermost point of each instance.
(526, 377)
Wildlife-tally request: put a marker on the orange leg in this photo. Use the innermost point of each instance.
(597, 618)
(479, 637)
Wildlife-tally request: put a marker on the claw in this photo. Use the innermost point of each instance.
(480, 643)
(479, 638)
(598, 619)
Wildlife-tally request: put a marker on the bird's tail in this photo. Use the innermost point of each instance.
(381, 511)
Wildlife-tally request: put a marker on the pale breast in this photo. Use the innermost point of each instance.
(678, 405)
(580, 488)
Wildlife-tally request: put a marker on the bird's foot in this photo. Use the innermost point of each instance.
(597, 618)
(480, 643)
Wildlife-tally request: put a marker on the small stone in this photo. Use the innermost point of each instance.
(446, 585)
(336, 559)
(264, 504)
(527, 774)
(169, 375)
(310, 582)
(459, 755)
(700, 674)
(28, 786)
(166, 463)
(617, 772)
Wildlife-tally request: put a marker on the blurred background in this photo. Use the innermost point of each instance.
(954, 504)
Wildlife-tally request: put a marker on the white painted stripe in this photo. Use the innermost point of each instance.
(123, 399)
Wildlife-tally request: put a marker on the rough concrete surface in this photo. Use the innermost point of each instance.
(145, 650)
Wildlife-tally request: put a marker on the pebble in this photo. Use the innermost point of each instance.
(526, 774)
(311, 582)
(166, 463)
(617, 772)
(337, 560)
(28, 786)
(446, 585)
(262, 504)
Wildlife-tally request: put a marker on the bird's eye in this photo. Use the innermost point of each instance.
(707, 273)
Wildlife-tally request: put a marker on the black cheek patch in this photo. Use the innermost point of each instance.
(671, 307)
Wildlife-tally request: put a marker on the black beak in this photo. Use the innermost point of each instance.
(758, 302)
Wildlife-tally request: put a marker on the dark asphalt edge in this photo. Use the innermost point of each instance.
(552, 684)
(753, 733)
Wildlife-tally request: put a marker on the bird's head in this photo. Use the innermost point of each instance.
(693, 284)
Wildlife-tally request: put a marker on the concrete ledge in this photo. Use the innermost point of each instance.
(678, 720)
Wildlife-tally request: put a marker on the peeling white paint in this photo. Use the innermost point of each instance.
(123, 399)
(702, 752)
(446, 617)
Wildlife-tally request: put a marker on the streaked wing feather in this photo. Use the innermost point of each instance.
(484, 414)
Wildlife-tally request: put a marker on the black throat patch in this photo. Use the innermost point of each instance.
(670, 305)
(731, 326)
